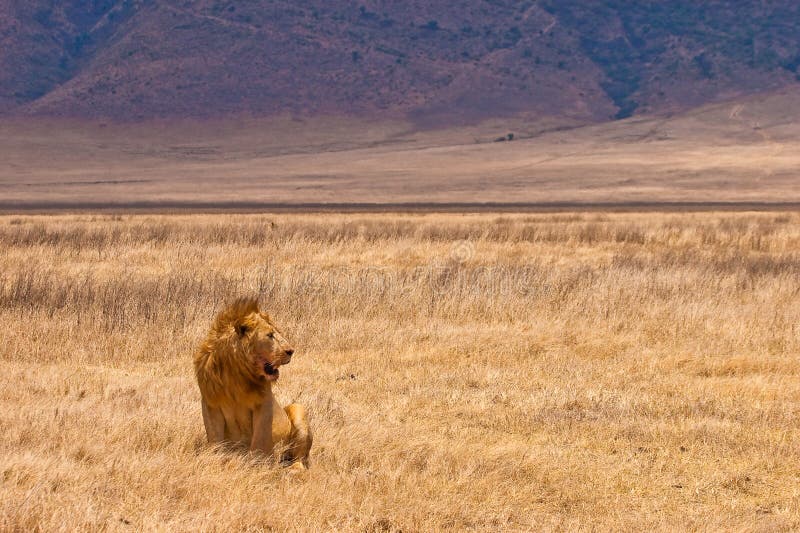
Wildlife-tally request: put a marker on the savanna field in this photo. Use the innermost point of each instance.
(586, 371)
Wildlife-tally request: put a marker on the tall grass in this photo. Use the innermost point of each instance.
(462, 371)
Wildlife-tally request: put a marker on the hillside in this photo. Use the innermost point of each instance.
(734, 152)
(439, 63)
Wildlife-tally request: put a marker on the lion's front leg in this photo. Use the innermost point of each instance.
(300, 439)
(262, 429)
(214, 421)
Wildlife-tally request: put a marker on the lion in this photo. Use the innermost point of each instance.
(236, 366)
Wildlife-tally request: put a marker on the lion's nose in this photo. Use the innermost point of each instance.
(289, 352)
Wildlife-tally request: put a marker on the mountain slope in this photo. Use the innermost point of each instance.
(736, 153)
(439, 62)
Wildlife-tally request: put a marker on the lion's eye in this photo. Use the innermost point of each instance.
(271, 335)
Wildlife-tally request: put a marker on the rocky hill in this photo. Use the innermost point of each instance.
(438, 62)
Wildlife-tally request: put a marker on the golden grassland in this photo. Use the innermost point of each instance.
(472, 372)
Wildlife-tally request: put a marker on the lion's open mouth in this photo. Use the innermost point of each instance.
(271, 371)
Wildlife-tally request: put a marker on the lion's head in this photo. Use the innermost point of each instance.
(241, 354)
(262, 340)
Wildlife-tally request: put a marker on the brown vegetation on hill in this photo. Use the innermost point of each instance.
(441, 63)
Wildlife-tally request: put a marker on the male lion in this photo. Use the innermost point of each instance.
(236, 366)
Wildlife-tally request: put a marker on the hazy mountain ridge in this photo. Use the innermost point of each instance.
(437, 61)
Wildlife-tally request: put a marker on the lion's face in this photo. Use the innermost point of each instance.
(268, 346)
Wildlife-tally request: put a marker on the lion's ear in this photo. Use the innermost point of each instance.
(241, 328)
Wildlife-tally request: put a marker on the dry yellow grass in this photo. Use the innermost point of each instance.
(517, 372)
